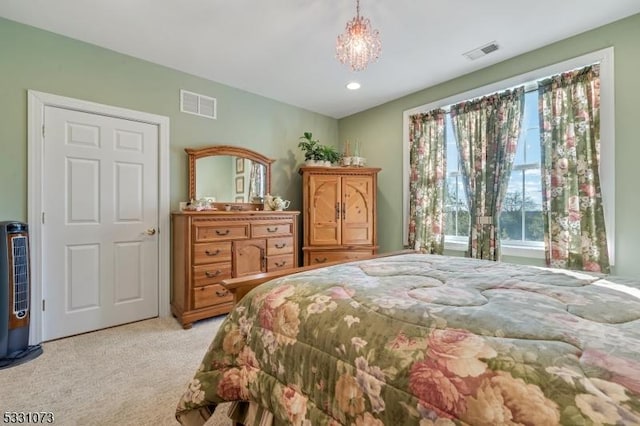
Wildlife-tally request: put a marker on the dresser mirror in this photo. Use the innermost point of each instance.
(228, 175)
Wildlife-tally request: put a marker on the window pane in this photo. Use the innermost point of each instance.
(450, 223)
(457, 213)
(534, 226)
(452, 150)
(523, 202)
(511, 215)
(528, 150)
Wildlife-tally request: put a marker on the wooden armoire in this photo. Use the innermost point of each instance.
(338, 213)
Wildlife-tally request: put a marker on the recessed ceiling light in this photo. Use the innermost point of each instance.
(354, 85)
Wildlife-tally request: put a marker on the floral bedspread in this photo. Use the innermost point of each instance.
(422, 339)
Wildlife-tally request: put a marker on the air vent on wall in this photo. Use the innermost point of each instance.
(481, 51)
(194, 103)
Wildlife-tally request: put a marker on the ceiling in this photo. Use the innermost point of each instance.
(285, 49)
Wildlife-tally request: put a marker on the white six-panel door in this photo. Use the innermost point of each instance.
(100, 203)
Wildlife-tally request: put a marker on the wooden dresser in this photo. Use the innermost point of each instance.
(339, 213)
(211, 246)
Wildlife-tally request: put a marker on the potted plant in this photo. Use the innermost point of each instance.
(316, 154)
(311, 148)
(330, 154)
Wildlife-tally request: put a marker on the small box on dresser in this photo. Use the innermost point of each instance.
(210, 246)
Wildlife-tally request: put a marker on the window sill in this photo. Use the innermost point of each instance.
(528, 251)
(532, 252)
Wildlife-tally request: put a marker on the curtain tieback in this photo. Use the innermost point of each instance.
(484, 220)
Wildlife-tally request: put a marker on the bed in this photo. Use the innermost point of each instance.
(422, 339)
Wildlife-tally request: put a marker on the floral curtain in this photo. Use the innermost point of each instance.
(569, 107)
(427, 165)
(487, 132)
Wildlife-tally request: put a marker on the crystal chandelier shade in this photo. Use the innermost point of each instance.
(359, 44)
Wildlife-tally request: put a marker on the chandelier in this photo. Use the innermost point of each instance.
(359, 44)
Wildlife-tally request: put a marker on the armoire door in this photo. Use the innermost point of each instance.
(325, 210)
(357, 210)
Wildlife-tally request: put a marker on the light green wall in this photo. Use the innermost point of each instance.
(380, 130)
(39, 60)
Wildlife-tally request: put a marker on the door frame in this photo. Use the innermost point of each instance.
(36, 103)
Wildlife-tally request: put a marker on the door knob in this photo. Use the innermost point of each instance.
(150, 231)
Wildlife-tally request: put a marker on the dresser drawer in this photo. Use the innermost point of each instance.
(275, 263)
(334, 256)
(211, 273)
(277, 246)
(211, 252)
(210, 295)
(204, 233)
(272, 229)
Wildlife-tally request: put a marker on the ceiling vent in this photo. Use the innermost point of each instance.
(194, 103)
(481, 51)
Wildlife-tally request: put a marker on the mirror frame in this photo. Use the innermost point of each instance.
(209, 151)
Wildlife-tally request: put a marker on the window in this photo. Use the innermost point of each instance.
(521, 220)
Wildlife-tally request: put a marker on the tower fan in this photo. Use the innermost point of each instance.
(15, 291)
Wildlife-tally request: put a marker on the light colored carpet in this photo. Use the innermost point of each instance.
(128, 375)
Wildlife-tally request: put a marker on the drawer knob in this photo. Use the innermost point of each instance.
(272, 229)
(213, 274)
(212, 253)
(222, 293)
(321, 260)
(281, 264)
(279, 246)
(219, 232)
